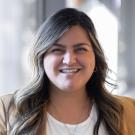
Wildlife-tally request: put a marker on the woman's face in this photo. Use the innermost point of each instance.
(70, 62)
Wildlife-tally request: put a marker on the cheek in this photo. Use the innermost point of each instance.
(50, 64)
(47, 64)
(91, 63)
(88, 61)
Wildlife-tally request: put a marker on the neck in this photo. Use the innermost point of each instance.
(71, 98)
(77, 102)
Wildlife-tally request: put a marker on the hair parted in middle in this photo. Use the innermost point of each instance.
(30, 100)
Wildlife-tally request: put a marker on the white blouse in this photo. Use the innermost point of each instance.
(55, 127)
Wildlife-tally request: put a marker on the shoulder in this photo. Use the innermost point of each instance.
(128, 119)
(6, 99)
(128, 105)
(127, 102)
(5, 103)
(125, 99)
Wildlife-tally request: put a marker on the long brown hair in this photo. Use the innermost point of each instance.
(30, 100)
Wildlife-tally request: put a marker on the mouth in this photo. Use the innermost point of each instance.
(70, 70)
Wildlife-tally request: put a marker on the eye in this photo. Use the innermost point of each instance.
(56, 50)
(81, 50)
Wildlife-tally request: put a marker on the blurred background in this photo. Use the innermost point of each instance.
(114, 21)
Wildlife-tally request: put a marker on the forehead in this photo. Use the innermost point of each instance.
(75, 34)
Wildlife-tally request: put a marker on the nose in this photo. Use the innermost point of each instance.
(69, 58)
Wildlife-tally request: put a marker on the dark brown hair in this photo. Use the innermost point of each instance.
(29, 101)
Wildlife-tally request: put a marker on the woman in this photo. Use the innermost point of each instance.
(68, 94)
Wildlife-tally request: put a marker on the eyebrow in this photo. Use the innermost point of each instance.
(75, 45)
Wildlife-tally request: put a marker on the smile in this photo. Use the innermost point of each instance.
(71, 70)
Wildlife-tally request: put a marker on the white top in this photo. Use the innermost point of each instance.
(55, 127)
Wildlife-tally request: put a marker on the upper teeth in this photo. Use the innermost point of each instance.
(69, 70)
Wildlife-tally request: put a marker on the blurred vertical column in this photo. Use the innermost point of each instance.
(17, 23)
(54, 5)
(10, 17)
(127, 47)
